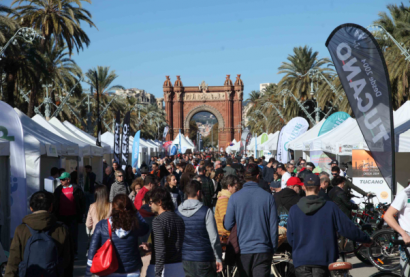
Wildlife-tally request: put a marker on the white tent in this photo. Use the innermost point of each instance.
(185, 145)
(402, 114)
(87, 137)
(190, 141)
(271, 144)
(108, 138)
(297, 143)
(89, 154)
(43, 150)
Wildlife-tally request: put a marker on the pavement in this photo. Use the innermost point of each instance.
(359, 269)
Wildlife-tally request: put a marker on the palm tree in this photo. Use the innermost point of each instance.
(302, 60)
(60, 19)
(7, 25)
(104, 79)
(398, 25)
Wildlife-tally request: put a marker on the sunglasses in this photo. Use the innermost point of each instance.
(63, 179)
(120, 176)
(302, 163)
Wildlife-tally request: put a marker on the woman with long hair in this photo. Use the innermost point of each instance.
(100, 209)
(136, 185)
(186, 177)
(171, 187)
(126, 225)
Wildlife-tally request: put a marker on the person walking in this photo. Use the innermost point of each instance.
(207, 187)
(187, 175)
(149, 183)
(340, 198)
(289, 196)
(285, 175)
(254, 211)
(201, 250)
(268, 170)
(69, 206)
(99, 210)
(127, 226)
(171, 187)
(168, 231)
(229, 184)
(108, 178)
(313, 224)
(41, 221)
(120, 186)
(229, 170)
(136, 186)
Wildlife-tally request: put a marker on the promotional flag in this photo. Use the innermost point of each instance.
(117, 137)
(125, 138)
(136, 150)
(99, 127)
(292, 130)
(166, 129)
(173, 150)
(278, 148)
(180, 146)
(264, 139)
(362, 71)
(12, 130)
(332, 122)
(256, 146)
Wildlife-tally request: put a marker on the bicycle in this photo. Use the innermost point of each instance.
(384, 254)
(340, 269)
(407, 254)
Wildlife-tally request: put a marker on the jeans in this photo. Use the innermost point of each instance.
(308, 271)
(255, 265)
(405, 267)
(199, 269)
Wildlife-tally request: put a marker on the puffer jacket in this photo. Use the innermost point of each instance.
(125, 243)
(220, 211)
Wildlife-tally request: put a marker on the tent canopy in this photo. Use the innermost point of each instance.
(108, 138)
(87, 137)
(184, 143)
(297, 144)
(38, 139)
(402, 114)
(272, 142)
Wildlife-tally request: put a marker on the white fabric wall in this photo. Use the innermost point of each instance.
(5, 201)
(46, 163)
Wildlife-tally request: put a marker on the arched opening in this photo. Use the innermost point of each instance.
(203, 129)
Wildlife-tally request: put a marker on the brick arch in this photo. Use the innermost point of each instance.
(204, 108)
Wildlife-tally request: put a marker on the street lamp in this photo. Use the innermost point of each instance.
(277, 110)
(47, 101)
(26, 33)
(286, 91)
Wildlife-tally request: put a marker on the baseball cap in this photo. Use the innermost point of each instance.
(311, 180)
(294, 181)
(252, 170)
(65, 175)
(281, 165)
(334, 162)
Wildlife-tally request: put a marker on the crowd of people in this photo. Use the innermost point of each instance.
(176, 215)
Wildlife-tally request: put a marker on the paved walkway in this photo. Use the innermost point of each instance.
(359, 269)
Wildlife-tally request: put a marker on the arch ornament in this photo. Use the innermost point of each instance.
(205, 108)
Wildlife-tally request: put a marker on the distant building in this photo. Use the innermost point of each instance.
(263, 86)
(142, 96)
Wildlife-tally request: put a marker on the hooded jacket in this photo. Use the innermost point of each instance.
(339, 197)
(287, 198)
(40, 220)
(313, 224)
(125, 243)
(119, 188)
(220, 211)
(201, 239)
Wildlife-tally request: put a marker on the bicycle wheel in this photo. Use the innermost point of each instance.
(361, 253)
(285, 269)
(383, 254)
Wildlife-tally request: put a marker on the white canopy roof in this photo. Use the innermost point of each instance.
(150, 144)
(4, 147)
(402, 114)
(87, 137)
(108, 138)
(37, 139)
(184, 143)
(297, 144)
(55, 126)
(271, 144)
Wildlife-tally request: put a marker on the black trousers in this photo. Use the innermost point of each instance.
(308, 271)
(255, 265)
(199, 269)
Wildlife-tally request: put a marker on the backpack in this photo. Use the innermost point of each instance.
(283, 214)
(40, 256)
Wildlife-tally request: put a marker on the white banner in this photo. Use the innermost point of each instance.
(12, 130)
(292, 130)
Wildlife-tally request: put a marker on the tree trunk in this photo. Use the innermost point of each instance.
(11, 81)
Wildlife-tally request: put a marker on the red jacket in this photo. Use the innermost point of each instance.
(140, 197)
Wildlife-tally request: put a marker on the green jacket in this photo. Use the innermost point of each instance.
(229, 170)
(41, 220)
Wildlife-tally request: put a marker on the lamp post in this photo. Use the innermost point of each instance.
(47, 101)
(267, 104)
(26, 33)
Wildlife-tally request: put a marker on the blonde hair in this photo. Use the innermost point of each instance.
(102, 204)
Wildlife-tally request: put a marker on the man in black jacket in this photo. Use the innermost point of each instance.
(289, 196)
(268, 170)
(208, 188)
(324, 188)
(69, 206)
(339, 196)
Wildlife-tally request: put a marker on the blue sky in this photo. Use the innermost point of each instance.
(204, 40)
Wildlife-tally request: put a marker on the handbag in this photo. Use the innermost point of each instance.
(105, 260)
